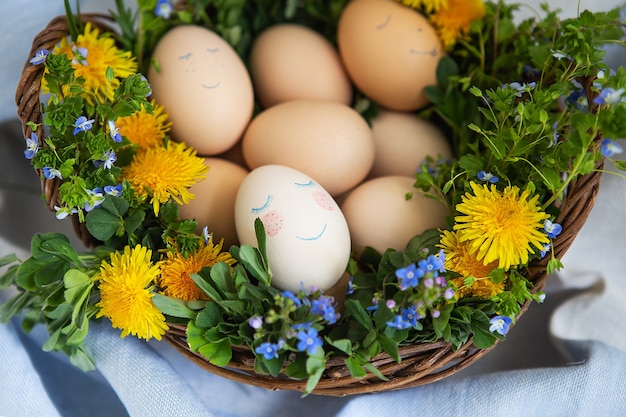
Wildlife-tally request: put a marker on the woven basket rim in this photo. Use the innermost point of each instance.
(421, 364)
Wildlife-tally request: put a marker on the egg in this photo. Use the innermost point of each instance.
(290, 61)
(204, 86)
(380, 216)
(327, 141)
(390, 52)
(214, 202)
(308, 242)
(403, 141)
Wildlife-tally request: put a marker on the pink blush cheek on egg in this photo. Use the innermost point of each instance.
(273, 222)
(324, 200)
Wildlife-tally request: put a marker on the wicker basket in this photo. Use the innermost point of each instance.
(421, 363)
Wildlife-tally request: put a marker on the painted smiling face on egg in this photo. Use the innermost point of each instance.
(390, 52)
(308, 242)
(204, 86)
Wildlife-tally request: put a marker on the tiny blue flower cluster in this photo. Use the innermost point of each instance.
(423, 288)
(294, 323)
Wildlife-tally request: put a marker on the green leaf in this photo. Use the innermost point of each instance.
(251, 259)
(133, 221)
(621, 165)
(195, 336)
(221, 276)
(102, 224)
(108, 219)
(497, 275)
(551, 178)
(78, 334)
(446, 68)
(482, 337)
(355, 366)
(428, 239)
(261, 238)
(51, 343)
(81, 359)
(173, 307)
(14, 306)
(370, 367)
(315, 366)
(442, 322)
(37, 246)
(34, 273)
(109, 74)
(206, 287)
(471, 163)
(8, 278)
(390, 346)
(209, 317)
(355, 309)
(269, 366)
(296, 370)
(76, 283)
(344, 345)
(8, 259)
(62, 312)
(25, 274)
(236, 307)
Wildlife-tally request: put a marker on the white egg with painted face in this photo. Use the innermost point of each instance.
(308, 242)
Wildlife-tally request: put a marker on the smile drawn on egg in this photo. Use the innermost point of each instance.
(211, 87)
(316, 237)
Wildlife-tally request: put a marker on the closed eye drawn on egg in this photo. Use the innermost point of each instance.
(186, 57)
(212, 50)
(385, 23)
(316, 237)
(309, 184)
(256, 210)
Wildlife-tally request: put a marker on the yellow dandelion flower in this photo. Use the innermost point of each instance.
(125, 296)
(428, 5)
(459, 259)
(161, 173)
(176, 270)
(453, 21)
(501, 226)
(143, 128)
(91, 55)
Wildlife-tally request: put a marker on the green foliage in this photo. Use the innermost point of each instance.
(55, 287)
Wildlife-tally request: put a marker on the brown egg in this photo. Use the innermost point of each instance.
(214, 203)
(234, 154)
(390, 51)
(380, 216)
(327, 141)
(204, 86)
(403, 141)
(289, 62)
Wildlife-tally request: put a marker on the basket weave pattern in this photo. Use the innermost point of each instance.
(421, 363)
